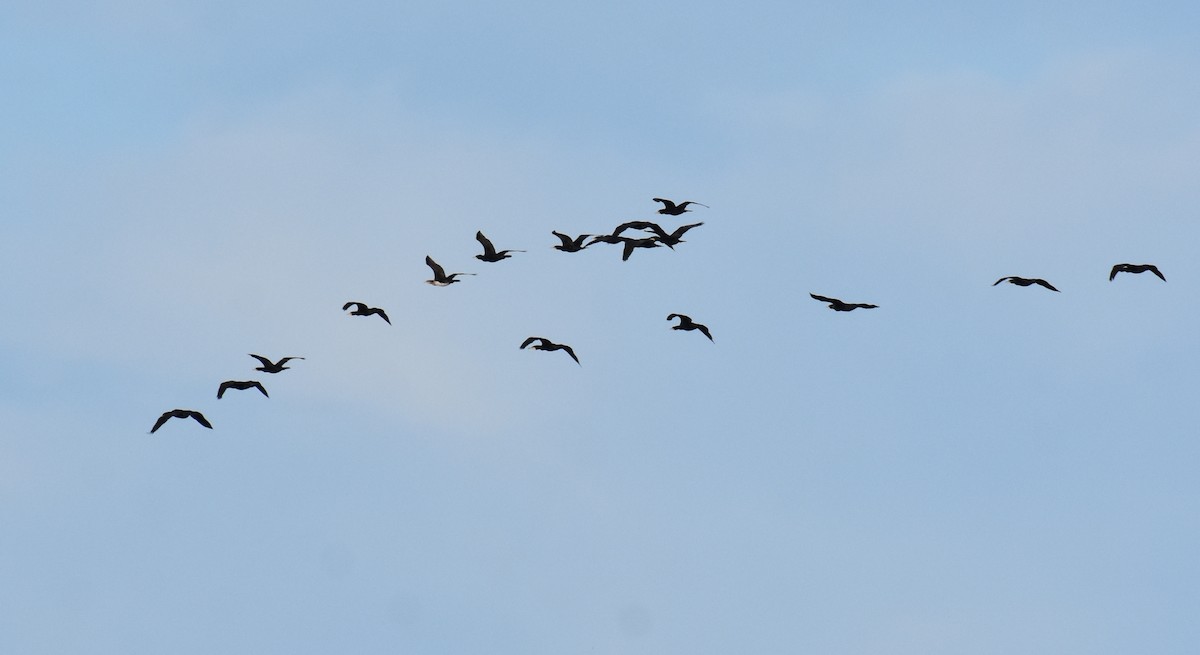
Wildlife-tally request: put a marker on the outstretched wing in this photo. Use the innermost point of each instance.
(567, 241)
(824, 299)
(683, 205)
(159, 423)
(265, 362)
(1116, 269)
(637, 225)
(679, 231)
(1002, 280)
(682, 319)
(439, 273)
(530, 340)
(704, 330)
(862, 305)
(488, 249)
(258, 385)
(221, 389)
(383, 315)
(667, 204)
(287, 359)
(1154, 269)
(1044, 284)
(360, 306)
(571, 352)
(200, 419)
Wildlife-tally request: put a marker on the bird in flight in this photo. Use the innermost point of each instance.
(180, 413)
(440, 279)
(241, 386)
(548, 345)
(840, 306)
(676, 237)
(268, 367)
(671, 209)
(360, 309)
(1025, 281)
(1135, 268)
(686, 323)
(569, 244)
(489, 251)
(630, 244)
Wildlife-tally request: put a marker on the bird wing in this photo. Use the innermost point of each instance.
(359, 308)
(1045, 284)
(682, 319)
(1115, 269)
(704, 330)
(488, 249)
(864, 305)
(158, 424)
(629, 246)
(667, 204)
(287, 359)
(684, 204)
(221, 389)
(637, 225)
(1002, 279)
(439, 273)
(383, 315)
(567, 242)
(200, 419)
(571, 352)
(824, 299)
(1154, 270)
(258, 385)
(265, 362)
(679, 231)
(530, 340)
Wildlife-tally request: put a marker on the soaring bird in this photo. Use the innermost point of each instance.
(489, 251)
(671, 209)
(241, 386)
(440, 279)
(676, 237)
(180, 413)
(569, 244)
(547, 344)
(636, 225)
(840, 306)
(630, 244)
(686, 323)
(268, 367)
(361, 309)
(1025, 281)
(1135, 268)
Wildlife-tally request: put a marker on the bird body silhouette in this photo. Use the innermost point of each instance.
(569, 244)
(686, 323)
(269, 367)
(671, 209)
(180, 413)
(1135, 268)
(361, 309)
(440, 279)
(839, 306)
(489, 251)
(1025, 281)
(241, 386)
(549, 345)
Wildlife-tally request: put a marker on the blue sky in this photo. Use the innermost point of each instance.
(967, 469)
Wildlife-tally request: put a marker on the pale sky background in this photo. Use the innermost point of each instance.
(968, 469)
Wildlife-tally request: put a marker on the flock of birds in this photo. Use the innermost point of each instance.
(653, 236)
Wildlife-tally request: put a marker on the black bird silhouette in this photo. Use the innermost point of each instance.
(671, 209)
(180, 413)
(630, 244)
(548, 345)
(676, 237)
(489, 251)
(361, 309)
(636, 225)
(268, 367)
(686, 323)
(569, 244)
(840, 306)
(440, 279)
(1024, 282)
(241, 386)
(1135, 268)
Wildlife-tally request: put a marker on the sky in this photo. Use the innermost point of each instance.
(967, 468)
